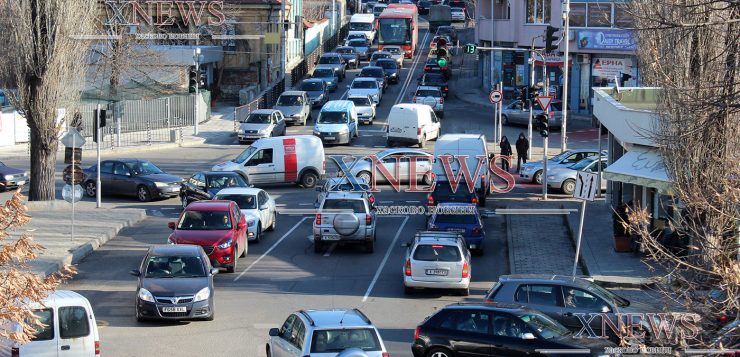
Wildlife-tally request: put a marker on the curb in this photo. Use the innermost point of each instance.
(510, 244)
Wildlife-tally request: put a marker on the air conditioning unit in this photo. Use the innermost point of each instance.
(583, 58)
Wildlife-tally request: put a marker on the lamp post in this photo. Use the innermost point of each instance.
(566, 39)
(196, 59)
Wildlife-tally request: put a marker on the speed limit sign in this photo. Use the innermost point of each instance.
(495, 96)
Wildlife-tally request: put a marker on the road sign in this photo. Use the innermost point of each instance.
(545, 101)
(72, 155)
(586, 185)
(495, 96)
(73, 138)
(68, 190)
(67, 175)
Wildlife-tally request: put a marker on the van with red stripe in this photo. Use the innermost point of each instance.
(283, 159)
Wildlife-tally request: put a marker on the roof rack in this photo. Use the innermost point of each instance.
(305, 314)
(359, 313)
(437, 235)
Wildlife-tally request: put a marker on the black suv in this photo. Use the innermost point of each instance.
(497, 330)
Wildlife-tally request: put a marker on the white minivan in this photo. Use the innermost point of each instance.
(472, 146)
(364, 24)
(70, 328)
(285, 159)
(412, 124)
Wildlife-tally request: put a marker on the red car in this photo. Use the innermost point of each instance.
(217, 226)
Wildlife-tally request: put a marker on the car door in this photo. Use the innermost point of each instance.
(200, 188)
(281, 345)
(468, 332)
(123, 182)
(579, 301)
(543, 297)
(279, 124)
(389, 163)
(506, 336)
(241, 233)
(106, 176)
(265, 210)
(75, 331)
(518, 113)
(260, 167)
(436, 126)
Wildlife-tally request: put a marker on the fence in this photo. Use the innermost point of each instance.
(266, 99)
(309, 62)
(145, 122)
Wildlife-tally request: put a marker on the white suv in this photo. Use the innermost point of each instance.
(437, 260)
(325, 333)
(344, 217)
(431, 96)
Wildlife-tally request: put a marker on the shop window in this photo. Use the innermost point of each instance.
(622, 17)
(599, 14)
(577, 15)
(538, 11)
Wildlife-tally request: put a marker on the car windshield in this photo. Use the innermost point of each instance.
(218, 181)
(360, 26)
(143, 168)
(622, 302)
(205, 221)
(428, 93)
(443, 192)
(346, 50)
(545, 327)
(243, 201)
(361, 102)
(456, 219)
(364, 84)
(160, 266)
(580, 165)
(562, 156)
(387, 64)
(329, 60)
(437, 253)
(457, 9)
(245, 155)
(258, 118)
(334, 341)
(356, 206)
(332, 118)
(321, 73)
(290, 100)
(357, 43)
(313, 86)
(392, 50)
(372, 72)
(377, 56)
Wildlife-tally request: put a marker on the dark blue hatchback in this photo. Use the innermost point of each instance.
(461, 218)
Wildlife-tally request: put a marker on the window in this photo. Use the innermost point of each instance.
(44, 329)
(466, 321)
(199, 180)
(106, 167)
(599, 14)
(263, 198)
(73, 322)
(236, 213)
(577, 15)
(437, 253)
(335, 341)
(538, 11)
(622, 18)
(537, 294)
(509, 326)
(298, 334)
(580, 299)
(120, 169)
(287, 330)
(244, 201)
(221, 181)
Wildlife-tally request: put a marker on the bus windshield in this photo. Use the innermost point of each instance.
(394, 31)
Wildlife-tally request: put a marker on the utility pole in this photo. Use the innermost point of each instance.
(283, 39)
(546, 79)
(566, 37)
(196, 59)
(98, 188)
(529, 99)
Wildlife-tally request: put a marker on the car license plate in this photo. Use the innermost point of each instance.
(329, 138)
(456, 230)
(330, 237)
(174, 309)
(23, 182)
(439, 272)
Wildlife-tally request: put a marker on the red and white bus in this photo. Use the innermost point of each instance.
(398, 26)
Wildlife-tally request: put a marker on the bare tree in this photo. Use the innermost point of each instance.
(691, 49)
(20, 287)
(315, 9)
(42, 60)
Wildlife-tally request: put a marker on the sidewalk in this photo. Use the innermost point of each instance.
(51, 226)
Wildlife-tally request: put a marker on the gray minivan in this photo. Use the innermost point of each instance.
(295, 106)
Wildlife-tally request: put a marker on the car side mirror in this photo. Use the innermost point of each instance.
(528, 336)
(135, 272)
(214, 271)
(274, 332)
(171, 225)
(202, 187)
(242, 223)
(605, 309)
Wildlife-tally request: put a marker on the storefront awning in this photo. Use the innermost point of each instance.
(641, 166)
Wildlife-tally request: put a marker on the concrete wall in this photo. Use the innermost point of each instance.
(13, 128)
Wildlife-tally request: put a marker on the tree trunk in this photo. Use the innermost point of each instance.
(43, 159)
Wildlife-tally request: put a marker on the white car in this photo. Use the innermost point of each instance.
(458, 14)
(396, 53)
(431, 96)
(257, 206)
(366, 86)
(261, 123)
(365, 107)
(438, 260)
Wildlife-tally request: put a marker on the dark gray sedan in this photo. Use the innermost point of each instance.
(134, 177)
(390, 67)
(11, 177)
(351, 55)
(518, 113)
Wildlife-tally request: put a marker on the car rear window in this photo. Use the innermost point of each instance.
(456, 218)
(372, 72)
(335, 341)
(73, 322)
(428, 93)
(437, 253)
(356, 206)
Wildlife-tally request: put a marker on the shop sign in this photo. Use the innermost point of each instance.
(610, 67)
(618, 40)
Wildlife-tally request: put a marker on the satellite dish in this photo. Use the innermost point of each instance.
(352, 352)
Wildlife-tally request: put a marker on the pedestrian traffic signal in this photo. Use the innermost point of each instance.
(550, 39)
(470, 48)
(192, 79)
(442, 62)
(542, 124)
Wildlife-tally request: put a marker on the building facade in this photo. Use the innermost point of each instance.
(601, 50)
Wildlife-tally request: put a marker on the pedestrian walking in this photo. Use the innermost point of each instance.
(505, 152)
(522, 150)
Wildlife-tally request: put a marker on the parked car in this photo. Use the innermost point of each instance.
(256, 205)
(517, 112)
(175, 282)
(132, 177)
(317, 90)
(205, 185)
(337, 122)
(563, 297)
(295, 107)
(390, 67)
(342, 184)
(396, 53)
(330, 78)
(437, 260)
(365, 106)
(431, 96)
(410, 123)
(346, 218)
(496, 330)
(460, 218)
(325, 333)
(65, 326)
(564, 178)
(362, 86)
(361, 46)
(351, 55)
(533, 170)
(458, 14)
(363, 169)
(334, 61)
(449, 31)
(11, 177)
(261, 123)
(375, 72)
(435, 80)
(217, 226)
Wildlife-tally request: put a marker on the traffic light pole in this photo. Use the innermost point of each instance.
(197, 90)
(529, 100)
(563, 136)
(98, 189)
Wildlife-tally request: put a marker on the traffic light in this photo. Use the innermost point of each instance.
(550, 38)
(98, 125)
(534, 92)
(441, 42)
(441, 52)
(625, 78)
(442, 56)
(442, 62)
(470, 48)
(202, 79)
(542, 124)
(192, 79)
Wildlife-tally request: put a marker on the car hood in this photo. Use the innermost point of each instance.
(250, 126)
(594, 344)
(349, 56)
(330, 128)
(226, 166)
(208, 238)
(390, 71)
(288, 111)
(364, 109)
(174, 286)
(362, 91)
(5, 170)
(161, 178)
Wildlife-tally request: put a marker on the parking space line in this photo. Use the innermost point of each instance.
(385, 259)
(271, 248)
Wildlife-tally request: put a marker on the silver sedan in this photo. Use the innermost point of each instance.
(364, 168)
(533, 170)
(518, 113)
(564, 178)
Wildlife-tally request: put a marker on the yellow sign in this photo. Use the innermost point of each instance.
(272, 38)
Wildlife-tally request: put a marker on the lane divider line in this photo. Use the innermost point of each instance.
(271, 248)
(385, 259)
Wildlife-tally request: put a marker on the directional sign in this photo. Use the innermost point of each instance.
(545, 101)
(495, 96)
(586, 185)
(72, 193)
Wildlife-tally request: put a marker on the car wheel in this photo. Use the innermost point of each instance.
(90, 188)
(439, 352)
(537, 177)
(423, 142)
(426, 180)
(370, 246)
(569, 186)
(309, 179)
(318, 247)
(505, 119)
(257, 235)
(365, 175)
(142, 192)
(267, 351)
(274, 222)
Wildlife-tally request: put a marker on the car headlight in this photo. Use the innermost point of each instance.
(375, 96)
(251, 223)
(145, 295)
(161, 184)
(8, 177)
(226, 244)
(344, 131)
(203, 294)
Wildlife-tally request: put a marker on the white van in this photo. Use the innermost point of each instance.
(412, 124)
(284, 159)
(337, 122)
(378, 9)
(70, 328)
(472, 145)
(364, 24)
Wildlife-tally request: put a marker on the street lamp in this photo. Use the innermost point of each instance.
(196, 59)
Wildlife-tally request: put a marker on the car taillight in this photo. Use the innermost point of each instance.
(386, 354)
(323, 166)
(413, 100)
(418, 131)
(489, 300)
(417, 333)
(318, 218)
(426, 69)
(476, 231)
(466, 270)
(368, 219)
(437, 246)
(407, 267)
(444, 88)
(430, 201)
(97, 348)
(474, 200)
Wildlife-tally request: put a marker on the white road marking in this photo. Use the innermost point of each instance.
(271, 248)
(305, 204)
(385, 259)
(157, 213)
(412, 69)
(330, 250)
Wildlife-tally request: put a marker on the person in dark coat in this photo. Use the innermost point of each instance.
(522, 149)
(505, 151)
